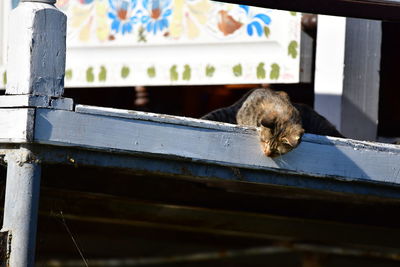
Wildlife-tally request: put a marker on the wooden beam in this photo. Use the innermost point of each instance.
(362, 205)
(23, 101)
(215, 143)
(253, 254)
(372, 9)
(106, 209)
(16, 125)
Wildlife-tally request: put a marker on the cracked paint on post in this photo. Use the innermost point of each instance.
(37, 54)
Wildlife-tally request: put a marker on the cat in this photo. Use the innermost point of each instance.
(280, 123)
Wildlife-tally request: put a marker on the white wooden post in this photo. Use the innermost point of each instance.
(329, 67)
(36, 56)
(361, 79)
(347, 76)
(37, 34)
(36, 68)
(21, 206)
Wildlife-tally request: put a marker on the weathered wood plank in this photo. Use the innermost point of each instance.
(24, 101)
(373, 9)
(361, 79)
(306, 57)
(62, 103)
(16, 125)
(162, 118)
(21, 205)
(317, 156)
(225, 177)
(36, 53)
(107, 209)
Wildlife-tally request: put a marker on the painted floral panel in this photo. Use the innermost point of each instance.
(164, 21)
(178, 42)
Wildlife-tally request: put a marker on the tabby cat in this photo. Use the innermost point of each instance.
(280, 123)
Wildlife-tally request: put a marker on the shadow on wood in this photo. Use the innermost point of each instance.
(3, 248)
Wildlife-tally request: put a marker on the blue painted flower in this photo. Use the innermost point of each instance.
(85, 2)
(158, 13)
(256, 21)
(121, 14)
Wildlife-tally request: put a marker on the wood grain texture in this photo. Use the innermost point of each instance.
(36, 53)
(317, 156)
(361, 79)
(155, 117)
(21, 206)
(62, 103)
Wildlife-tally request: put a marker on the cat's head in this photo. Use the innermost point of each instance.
(278, 138)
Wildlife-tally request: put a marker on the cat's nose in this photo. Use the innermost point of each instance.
(273, 153)
(267, 152)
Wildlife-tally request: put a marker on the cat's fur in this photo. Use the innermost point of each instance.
(280, 122)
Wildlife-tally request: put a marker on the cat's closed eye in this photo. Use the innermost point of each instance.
(286, 142)
(268, 123)
(287, 145)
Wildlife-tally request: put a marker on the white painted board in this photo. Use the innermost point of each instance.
(178, 42)
(215, 143)
(329, 67)
(126, 43)
(16, 125)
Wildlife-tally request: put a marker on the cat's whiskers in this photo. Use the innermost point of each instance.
(281, 159)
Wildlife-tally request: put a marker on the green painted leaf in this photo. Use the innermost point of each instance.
(151, 72)
(102, 74)
(173, 73)
(68, 74)
(210, 71)
(261, 74)
(237, 70)
(292, 49)
(5, 78)
(293, 13)
(187, 73)
(275, 69)
(89, 75)
(142, 35)
(125, 72)
(267, 31)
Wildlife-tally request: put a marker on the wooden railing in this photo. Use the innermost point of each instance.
(39, 126)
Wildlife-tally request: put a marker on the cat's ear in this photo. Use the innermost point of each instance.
(283, 94)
